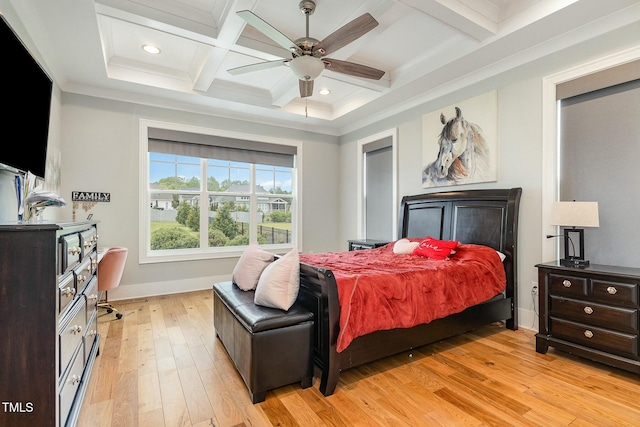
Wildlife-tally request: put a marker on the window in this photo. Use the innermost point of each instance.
(210, 193)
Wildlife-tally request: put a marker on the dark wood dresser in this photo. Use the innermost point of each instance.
(591, 312)
(48, 313)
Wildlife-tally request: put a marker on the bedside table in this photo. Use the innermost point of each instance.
(591, 312)
(356, 245)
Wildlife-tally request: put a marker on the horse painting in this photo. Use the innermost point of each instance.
(463, 156)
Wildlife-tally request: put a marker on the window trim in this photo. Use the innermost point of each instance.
(145, 254)
(550, 143)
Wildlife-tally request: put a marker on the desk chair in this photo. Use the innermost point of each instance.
(110, 270)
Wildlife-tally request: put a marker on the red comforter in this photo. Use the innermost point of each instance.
(380, 290)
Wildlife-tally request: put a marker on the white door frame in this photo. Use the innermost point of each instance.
(360, 210)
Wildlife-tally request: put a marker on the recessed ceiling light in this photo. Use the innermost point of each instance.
(150, 49)
(324, 92)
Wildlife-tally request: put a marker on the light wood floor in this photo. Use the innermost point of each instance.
(162, 365)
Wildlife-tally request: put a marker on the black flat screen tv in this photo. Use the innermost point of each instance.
(27, 106)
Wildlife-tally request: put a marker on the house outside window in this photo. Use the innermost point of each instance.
(210, 195)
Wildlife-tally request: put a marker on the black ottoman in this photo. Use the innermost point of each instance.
(270, 348)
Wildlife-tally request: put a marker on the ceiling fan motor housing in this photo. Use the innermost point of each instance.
(307, 44)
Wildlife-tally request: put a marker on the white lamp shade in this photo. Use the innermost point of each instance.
(575, 214)
(306, 67)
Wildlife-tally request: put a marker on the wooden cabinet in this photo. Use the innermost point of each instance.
(48, 313)
(591, 312)
(356, 245)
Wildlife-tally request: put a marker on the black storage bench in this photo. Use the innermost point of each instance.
(270, 348)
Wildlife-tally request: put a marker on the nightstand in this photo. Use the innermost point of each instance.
(591, 312)
(356, 245)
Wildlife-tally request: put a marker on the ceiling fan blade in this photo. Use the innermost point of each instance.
(346, 34)
(257, 67)
(259, 24)
(352, 69)
(306, 88)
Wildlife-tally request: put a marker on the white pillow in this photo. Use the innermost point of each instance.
(404, 246)
(249, 267)
(279, 283)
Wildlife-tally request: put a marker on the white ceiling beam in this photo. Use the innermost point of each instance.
(458, 16)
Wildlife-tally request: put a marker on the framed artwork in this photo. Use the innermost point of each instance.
(459, 142)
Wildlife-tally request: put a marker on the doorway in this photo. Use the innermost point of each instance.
(377, 187)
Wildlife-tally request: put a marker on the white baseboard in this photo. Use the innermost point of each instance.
(151, 289)
(527, 319)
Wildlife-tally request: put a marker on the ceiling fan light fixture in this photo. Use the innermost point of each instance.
(306, 67)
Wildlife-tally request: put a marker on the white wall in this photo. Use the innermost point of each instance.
(100, 152)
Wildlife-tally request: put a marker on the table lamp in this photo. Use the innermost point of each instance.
(571, 215)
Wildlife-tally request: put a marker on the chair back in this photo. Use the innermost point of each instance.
(111, 267)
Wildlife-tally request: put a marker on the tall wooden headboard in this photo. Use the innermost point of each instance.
(484, 217)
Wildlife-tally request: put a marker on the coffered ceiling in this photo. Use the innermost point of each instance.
(95, 48)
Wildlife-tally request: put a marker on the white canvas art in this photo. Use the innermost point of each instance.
(459, 142)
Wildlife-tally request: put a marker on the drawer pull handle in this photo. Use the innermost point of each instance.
(588, 310)
(76, 329)
(92, 297)
(81, 278)
(588, 334)
(566, 283)
(68, 291)
(75, 251)
(612, 290)
(75, 379)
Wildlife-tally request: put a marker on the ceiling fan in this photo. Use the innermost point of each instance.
(308, 54)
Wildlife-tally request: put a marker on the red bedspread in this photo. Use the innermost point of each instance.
(380, 290)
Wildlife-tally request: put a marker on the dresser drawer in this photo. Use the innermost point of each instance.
(94, 262)
(618, 319)
(622, 294)
(70, 385)
(70, 334)
(70, 251)
(66, 292)
(622, 344)
(88, 241)
(83, 273)
(567, 286)
(90, 334)
(90, 295)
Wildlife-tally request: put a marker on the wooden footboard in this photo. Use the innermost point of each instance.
(319, 294)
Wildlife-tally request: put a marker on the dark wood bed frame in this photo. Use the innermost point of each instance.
(486, 217)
